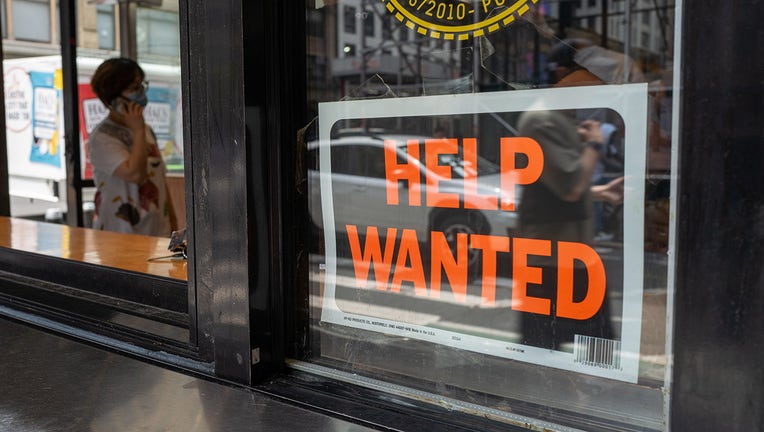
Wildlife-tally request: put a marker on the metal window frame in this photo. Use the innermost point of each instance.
(241, 69)
(8, 8)
(220, 220)
(712, 329)
(719, 296)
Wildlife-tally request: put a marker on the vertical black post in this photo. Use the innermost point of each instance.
(216, 146)
(5, 197)
(604, 36)
(68, 26)
(278, 91)
(536, 58)
(719, 313)
(566, 18)
(204, 345)
(127, 36)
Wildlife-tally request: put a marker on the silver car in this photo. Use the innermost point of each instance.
(359, 191)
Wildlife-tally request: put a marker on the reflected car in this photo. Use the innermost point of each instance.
(359, 190)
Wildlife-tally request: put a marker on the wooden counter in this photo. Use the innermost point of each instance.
(177, 187)
(123, 251)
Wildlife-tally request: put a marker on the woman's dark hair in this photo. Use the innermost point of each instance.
(113, 76)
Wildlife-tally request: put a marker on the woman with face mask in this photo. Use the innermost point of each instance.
(128, 169)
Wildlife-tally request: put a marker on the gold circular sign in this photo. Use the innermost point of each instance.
(455, 19)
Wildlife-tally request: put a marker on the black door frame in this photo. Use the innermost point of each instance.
(242, 202)
(719, 299)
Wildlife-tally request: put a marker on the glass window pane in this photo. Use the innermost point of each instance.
(468, 180)
(105, 27)
(37, 168)
(349, 19)
(3, 18)
(157, 32)
(31, 20)
(387, 27)
(368, 24)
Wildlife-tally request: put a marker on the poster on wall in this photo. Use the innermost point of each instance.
(46, 119)
(18, 107)
(505, 223)
(34, 126)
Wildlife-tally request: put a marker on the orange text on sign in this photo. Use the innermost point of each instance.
(408, 171)
(398, 259)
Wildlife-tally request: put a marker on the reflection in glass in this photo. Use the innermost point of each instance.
(157, 33)
(562, 44)
(34, 101)
(105, 27)
(32, 20)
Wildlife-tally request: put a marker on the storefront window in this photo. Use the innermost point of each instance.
(349, 19)
(31, 20)
(157, 33)
(105, 26)
(488, 194)
(43, 192)
(35, 116)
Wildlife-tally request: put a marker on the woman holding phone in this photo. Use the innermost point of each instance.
(128, 169)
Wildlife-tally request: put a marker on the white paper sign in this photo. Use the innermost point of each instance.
(422, 236)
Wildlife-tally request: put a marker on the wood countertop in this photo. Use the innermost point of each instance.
(110, 249)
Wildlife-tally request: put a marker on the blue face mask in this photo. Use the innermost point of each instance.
(139, 97)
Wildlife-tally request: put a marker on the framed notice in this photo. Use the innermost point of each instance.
(456, 220)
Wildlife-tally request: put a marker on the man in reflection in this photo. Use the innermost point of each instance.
(560, 205)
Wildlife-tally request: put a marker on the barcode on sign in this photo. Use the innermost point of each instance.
(598, 352)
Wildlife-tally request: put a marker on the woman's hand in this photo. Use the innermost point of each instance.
(134, 169)
(133, 116)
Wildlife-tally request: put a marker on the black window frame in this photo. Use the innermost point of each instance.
(349, 19)
(693, 266)
(243, 97)
(369, 23)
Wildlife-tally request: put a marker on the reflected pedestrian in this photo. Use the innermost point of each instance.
(559, 206)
